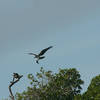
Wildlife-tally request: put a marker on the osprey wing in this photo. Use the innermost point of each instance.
(41, 57)
(44, 50)
(32, 54)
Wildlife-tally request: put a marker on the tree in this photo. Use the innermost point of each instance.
(93, 91)
(78, 97)
(63, 85)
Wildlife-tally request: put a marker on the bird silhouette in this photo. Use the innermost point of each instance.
(40, 55)
(16, 76)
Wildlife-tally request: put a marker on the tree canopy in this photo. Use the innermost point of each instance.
(93, 91)
(64, 85)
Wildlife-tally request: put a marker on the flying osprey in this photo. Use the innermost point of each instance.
(39, 56)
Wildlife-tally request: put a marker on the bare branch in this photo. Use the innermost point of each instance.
(12, 83)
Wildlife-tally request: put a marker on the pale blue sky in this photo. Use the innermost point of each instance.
(71, 26)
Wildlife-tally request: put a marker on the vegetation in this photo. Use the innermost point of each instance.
(64, 85)
(93, 91)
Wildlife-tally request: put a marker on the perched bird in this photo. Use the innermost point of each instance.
(39, 56)
(16, 76)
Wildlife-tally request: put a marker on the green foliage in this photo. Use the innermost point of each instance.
(64, 85)
(78, 97)
(93, 91)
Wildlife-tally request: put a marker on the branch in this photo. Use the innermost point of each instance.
(11, 84)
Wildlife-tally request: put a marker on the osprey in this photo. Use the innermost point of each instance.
(40, 55)
(16, 76)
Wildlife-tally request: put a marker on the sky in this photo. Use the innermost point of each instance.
(71, 26)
